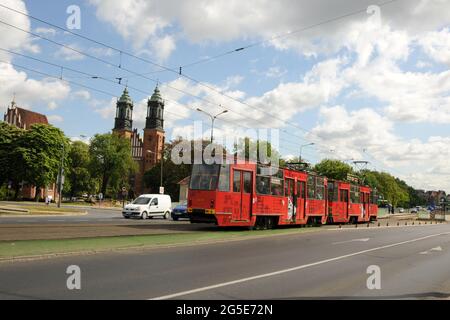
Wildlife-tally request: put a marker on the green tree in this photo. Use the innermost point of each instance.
(333, 169)
(172, 173)
(11, 160)
(111, 162)
(392, 189)
(9, 155)
(78, 177)
(42, 149)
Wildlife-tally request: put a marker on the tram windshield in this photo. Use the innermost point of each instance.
(206, 177)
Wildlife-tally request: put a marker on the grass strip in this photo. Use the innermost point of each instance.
(14, 249)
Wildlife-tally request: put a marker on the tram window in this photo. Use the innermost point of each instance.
(320, 188)
(276, 186)
(332, 192)
(311, 187)
(354, 194)
(247, 182)
(373, 198)
(344, 195)
(204, 177)
(224, 178)
(301, 189)
(237, 181)
(263, 185)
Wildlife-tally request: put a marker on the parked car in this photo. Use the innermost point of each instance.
(148, 206)
(401, 210)
(180, 211)
(414, 210)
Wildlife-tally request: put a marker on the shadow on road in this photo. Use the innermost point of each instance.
(425, 295)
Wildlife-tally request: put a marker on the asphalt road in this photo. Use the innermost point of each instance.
(414, 264)
(93, 215)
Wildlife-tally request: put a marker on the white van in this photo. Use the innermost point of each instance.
(149, 205)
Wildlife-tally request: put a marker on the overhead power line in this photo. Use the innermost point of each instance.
(195, 80)
(92, 76)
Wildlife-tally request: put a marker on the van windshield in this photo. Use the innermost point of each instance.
(141, 200)
(204, 176)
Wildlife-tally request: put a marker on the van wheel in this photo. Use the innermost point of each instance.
(166, 215)
(144, 216)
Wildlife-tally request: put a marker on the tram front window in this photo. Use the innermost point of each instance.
(204, 176)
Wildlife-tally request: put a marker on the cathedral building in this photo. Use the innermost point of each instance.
(147, 151)
(24, 119)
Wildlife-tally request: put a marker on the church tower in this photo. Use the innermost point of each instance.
(123, 125)
(154, 131)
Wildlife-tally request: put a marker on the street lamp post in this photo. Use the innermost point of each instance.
(301, 147)
(61, 172)
(161, 165)
(213, 119)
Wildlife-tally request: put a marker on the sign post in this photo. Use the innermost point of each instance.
(124, 194)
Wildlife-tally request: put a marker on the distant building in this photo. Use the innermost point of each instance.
(24, 119)
(148, 150)
(184, 188)
(434, 198)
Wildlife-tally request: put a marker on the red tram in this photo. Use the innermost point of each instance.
(252, 195)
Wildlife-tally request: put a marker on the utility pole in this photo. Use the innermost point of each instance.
(161, 165)
(301, 147)
(61, 172)
(213, 119)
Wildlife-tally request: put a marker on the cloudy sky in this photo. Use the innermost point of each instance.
(363, 80)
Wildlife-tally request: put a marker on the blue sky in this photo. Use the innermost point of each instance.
(372, 86)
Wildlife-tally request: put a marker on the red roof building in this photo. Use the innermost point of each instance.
(23, 118)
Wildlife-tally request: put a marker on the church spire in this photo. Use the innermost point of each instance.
(124, 113)
(155, 111)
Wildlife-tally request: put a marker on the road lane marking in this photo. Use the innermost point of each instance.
(275, 273)
(432, 249)
(354, 240)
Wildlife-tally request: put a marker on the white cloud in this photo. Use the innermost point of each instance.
(437, 45)
(366, 135)
(275, 72)
(54, 119)
(82, 94)
(45, 31)
(11, 38)
(218, 21)
(68, 54)
(29, 91)
(52, 105)
(103, 52)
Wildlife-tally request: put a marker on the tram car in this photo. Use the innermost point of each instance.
(261, 197)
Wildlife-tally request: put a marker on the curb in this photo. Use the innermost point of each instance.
(57, 214)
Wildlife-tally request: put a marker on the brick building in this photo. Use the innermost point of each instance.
(24, 119)
(147, 150)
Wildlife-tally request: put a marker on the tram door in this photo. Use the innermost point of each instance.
(292, 199)
(343, 203)
(365, 202)
(242, 194)
(301, 200)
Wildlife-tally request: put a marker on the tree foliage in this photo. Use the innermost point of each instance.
(111, 162)
(78, 177)
(11, 167)
(172, 173)
(333, 169)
